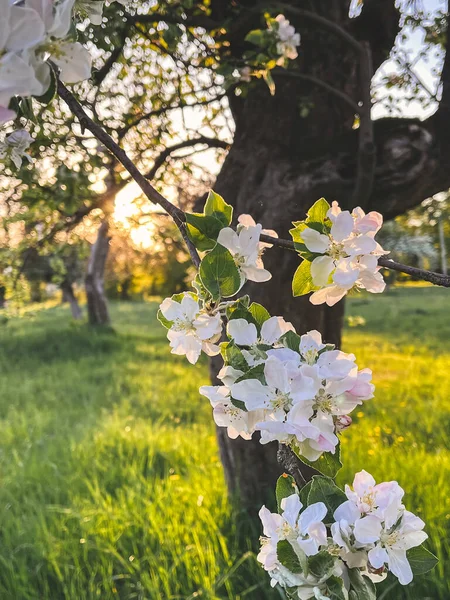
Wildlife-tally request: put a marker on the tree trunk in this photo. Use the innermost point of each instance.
(299, 145)
(35, 291)
(442, 247)
(68, 295)
(98, 313)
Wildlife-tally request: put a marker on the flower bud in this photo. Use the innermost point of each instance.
(343, 422)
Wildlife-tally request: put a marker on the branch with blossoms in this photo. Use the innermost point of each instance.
(324, 542)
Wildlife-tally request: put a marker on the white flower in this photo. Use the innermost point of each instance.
(383, 500)
(349, 255)
(237, 421)
(393, 544)
(14, 147)
(310, 346)
(192, 330)
(20, 29)
(306, 533)
(246, 249)
(246, 334)
(71, 57)
(312, 531)
(374, 531)
(288, 39)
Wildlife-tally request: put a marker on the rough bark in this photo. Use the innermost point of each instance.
(280, 163)
(97, 304)
(68, 295)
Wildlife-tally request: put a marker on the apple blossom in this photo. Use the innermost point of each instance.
(373, 530)
(348, 254)
(246, 334)
(237, 421)
(192, 329)
(246, 249)
(14, 147)
(287, 38)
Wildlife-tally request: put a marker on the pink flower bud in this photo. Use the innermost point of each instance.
(343, 422)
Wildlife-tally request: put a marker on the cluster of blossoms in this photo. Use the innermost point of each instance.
(346, 254)
(287, 40)
(14, 147)
(324, 544)
(35, 33)
(299, 397)
(370, 532)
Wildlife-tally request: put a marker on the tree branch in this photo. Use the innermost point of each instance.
(202, 139)
(179, 216)
(322, 84)
(366, 146)
(152, 194)
(387, 263)
(164, 109)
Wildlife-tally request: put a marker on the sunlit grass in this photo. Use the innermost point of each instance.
(111, 480)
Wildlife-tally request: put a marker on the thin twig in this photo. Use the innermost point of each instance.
(387, 263)
(152, 194)
(322, 84)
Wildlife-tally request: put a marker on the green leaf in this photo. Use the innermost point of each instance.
(336, 588)
(162, 319)
(233, 356)
(328, 464)
(318, 212)
(238, 404)
(323, 489)
(219, 274)
(259, 313)
(289, 558)
(253, 373)
(285, 487)
(363, 586)
(304, 493)
(302, 282)
(255, 37)
(26, 109)
(49, 95)
(321, 564)
(421, 560)
(291, 340)
(215, 206)
(203, 230)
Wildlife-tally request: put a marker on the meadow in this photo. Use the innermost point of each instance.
(111, 484)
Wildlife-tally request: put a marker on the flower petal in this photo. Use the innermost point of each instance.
(321, 269)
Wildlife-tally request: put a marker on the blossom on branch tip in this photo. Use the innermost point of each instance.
(287, 40)
(343, 253)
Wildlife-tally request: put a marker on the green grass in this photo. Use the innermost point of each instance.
(111, 481)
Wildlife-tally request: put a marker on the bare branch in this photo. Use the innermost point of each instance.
(322, 84)
(152, 194)
(202, 139)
